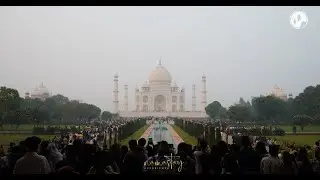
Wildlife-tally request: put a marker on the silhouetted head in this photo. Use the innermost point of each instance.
(44, 145)
(222, 147)
(245, 141)
(261, 148)
(115, 148)
(235, 148)
(287, 158)
(317, 143)
(302, 154)
(142, 142)
(213, 149)
(32, 143)
(163, 148)
(133, 144)
(182, 147)
(22, 146)
(149, 150)
(274, 150)
(203, 144)
(124, 149)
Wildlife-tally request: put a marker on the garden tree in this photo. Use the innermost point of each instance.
(13, 117)
(9, 102)
(307, 102)
(239, 113)
(270, 108)
(253, 114)
(245, 104)
(9, 99)
(60, 99)
(83, 112)
(1, 121)
(223, 113)
(40, 115)
(106, 115)
(214, 110)
(242, 102)
(302, 121)
(17, 118)
(26, 116)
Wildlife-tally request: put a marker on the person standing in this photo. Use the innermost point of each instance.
(198, 154)
(31, 162)
(271, 164)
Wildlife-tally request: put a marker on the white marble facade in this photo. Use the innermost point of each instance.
(160, 97)
(40, 92)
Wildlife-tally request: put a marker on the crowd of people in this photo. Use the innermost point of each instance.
(80, 158)
(76, 154)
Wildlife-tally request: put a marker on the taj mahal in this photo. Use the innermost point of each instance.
(160, 97)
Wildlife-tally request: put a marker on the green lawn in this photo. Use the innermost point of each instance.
(5, 139)
(24, 127)
(311, 128)
(299, 139)
(185, 136)
(135, 135)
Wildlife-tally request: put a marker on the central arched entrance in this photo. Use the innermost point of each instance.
(159, 103)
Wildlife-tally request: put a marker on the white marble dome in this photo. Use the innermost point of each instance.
(41, 90)
(160, 74)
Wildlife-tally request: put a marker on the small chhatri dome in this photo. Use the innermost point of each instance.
(160, 74)
(145, 84)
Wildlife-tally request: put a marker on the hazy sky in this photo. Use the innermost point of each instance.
(75, 51)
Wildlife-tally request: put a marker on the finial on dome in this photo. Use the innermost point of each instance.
(174, 84)
(159, 63)
(41, 85)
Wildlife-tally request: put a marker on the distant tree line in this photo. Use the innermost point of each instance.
(302, 110)
(57, 109)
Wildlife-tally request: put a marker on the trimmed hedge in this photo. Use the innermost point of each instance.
(54, 130)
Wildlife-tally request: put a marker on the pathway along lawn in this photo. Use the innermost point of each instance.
(185, 136)
(310, 128)
(136, 135)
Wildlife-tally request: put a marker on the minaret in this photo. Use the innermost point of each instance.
(194, 97)
(203, 94)
(115, 94)
(159, 62)
(126, 98)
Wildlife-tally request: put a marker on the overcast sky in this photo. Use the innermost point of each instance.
(75, 51)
